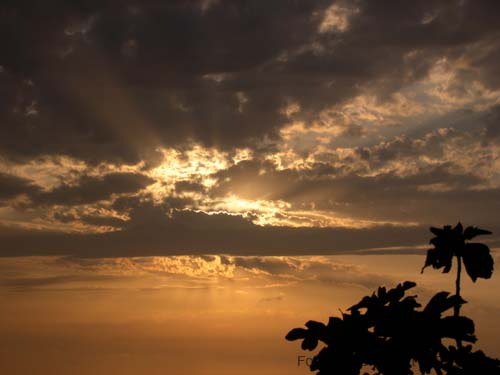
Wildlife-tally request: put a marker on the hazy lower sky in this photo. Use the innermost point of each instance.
(138, 136)
(196, 315)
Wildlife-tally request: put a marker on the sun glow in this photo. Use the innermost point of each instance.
(198, 164)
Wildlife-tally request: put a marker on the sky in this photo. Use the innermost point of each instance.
(203, 315)
(184, 145)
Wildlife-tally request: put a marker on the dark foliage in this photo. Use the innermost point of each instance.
(449, 242)
(389, 331)
(463, 361)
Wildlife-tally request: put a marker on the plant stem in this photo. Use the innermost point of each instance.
(457, 293)
(457, 284)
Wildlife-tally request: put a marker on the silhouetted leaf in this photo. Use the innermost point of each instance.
(296, 334)
(395, 294)
(478, 363)
(439, 258)
(441, 302)
(464, 361)
(437, 303)
(333, 322)
(411, 302)
(316, 328)
(436, 231)
(364, 303)
(458, 327)
(477, 260)
(408, 285)
(471, 232)
(309, 343)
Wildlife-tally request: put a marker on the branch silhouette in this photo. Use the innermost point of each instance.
(389, 331)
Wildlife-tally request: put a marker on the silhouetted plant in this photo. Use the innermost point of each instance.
(449, 243)
(388, 332)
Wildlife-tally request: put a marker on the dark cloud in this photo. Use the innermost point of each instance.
(151, 232)
(111, 81)
(90, 189)
(102, 221)
(12, 186)
(272, 299)
(492, 121)
(273, 266)
(97, 102)
(37, 282)
(190, 186)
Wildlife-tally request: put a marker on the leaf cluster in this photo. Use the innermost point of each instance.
(389, 331)
(449, 242)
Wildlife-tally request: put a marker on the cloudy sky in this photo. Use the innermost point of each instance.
(244, 126)
(244, 129)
